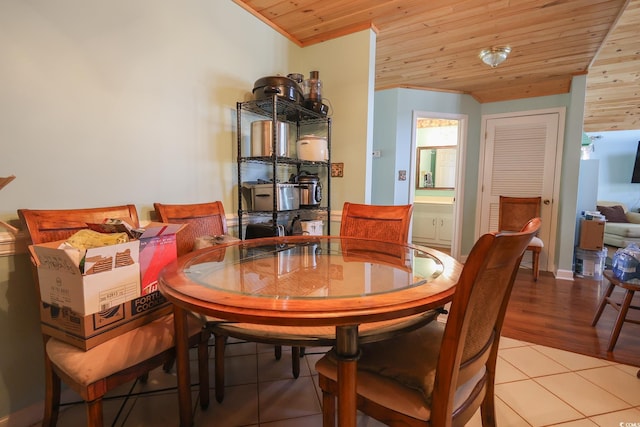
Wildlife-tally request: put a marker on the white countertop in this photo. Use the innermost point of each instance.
(434, 200)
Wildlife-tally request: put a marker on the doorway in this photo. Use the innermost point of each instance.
(520, 156)
(436, 177)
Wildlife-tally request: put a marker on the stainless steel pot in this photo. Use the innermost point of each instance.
(284, 87)
(262, 138)
(259, 196)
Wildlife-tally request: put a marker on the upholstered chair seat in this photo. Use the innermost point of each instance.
(108, 358)
(440, 374)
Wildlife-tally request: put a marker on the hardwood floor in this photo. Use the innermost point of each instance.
(558, 313)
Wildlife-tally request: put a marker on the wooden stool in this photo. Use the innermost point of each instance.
(622, 307)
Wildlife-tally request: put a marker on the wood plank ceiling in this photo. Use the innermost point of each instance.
(434, 45)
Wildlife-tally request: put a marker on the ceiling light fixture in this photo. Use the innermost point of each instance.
(495, 56)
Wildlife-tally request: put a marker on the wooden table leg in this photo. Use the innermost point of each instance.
(182, 365)
(347, 353)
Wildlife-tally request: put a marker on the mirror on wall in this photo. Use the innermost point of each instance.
(436, 168)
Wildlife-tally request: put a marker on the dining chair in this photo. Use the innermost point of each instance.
(376, 222)
(386, 223)
(513, 213)
(130, 355)
(201, 219)
(440, 374)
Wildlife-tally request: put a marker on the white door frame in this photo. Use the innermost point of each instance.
(463, 120)
(561, 111)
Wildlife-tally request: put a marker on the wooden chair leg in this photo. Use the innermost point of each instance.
(295, 361)
(203, 368)
(94, 413)
(622, 314)
(277, 352)
(168, 365)
(328, 409)
(535, 255)
(603, 304)
(488, 406)
(52, 395)
(219, 366)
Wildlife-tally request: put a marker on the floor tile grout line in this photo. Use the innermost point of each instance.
(313, 381)
(599, 386)
(514, 411)
(513, 366)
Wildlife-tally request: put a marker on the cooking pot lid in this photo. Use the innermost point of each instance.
(276, 81)
(308, 178)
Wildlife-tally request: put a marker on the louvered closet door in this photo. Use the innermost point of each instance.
(520, 161)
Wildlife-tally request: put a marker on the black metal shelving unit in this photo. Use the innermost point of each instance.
(279, 109)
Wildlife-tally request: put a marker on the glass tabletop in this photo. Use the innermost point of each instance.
(313, 268)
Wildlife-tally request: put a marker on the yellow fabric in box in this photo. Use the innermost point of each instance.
(87, 239)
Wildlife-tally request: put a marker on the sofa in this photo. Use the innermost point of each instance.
(622, 227)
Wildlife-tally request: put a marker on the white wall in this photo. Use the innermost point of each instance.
(347, 75)
(134, 102)
(113, 102)
(616, 151)
(393, 124)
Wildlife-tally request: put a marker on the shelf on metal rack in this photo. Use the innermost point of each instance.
(285, 110)
(282, 160)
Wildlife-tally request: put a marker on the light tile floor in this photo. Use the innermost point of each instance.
(535, 386)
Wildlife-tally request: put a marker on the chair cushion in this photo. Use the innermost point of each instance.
(409, 359)
(399, 373)
(319, 335)
(613, 213)
(128, 349)
(536, 241)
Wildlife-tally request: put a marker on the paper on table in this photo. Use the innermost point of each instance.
(4, 181)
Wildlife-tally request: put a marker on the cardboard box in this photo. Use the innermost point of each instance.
(155, 249)
(158, 247)
(110, 276)
(591, 235)
(87, 332)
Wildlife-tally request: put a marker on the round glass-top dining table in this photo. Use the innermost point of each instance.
(305, 281)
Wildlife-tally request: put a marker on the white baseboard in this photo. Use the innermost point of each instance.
(564, 275)
(28, 416)
(32, 415)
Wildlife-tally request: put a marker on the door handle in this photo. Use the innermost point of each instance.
(547, 202)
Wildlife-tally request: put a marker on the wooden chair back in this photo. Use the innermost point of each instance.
(201, 219)
(457, 360)
(65, 363)
(472, 333)
(515, 212)
(49, 225)
(377, 222)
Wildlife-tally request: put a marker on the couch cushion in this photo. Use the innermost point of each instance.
(613, 213)
(623, 230)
